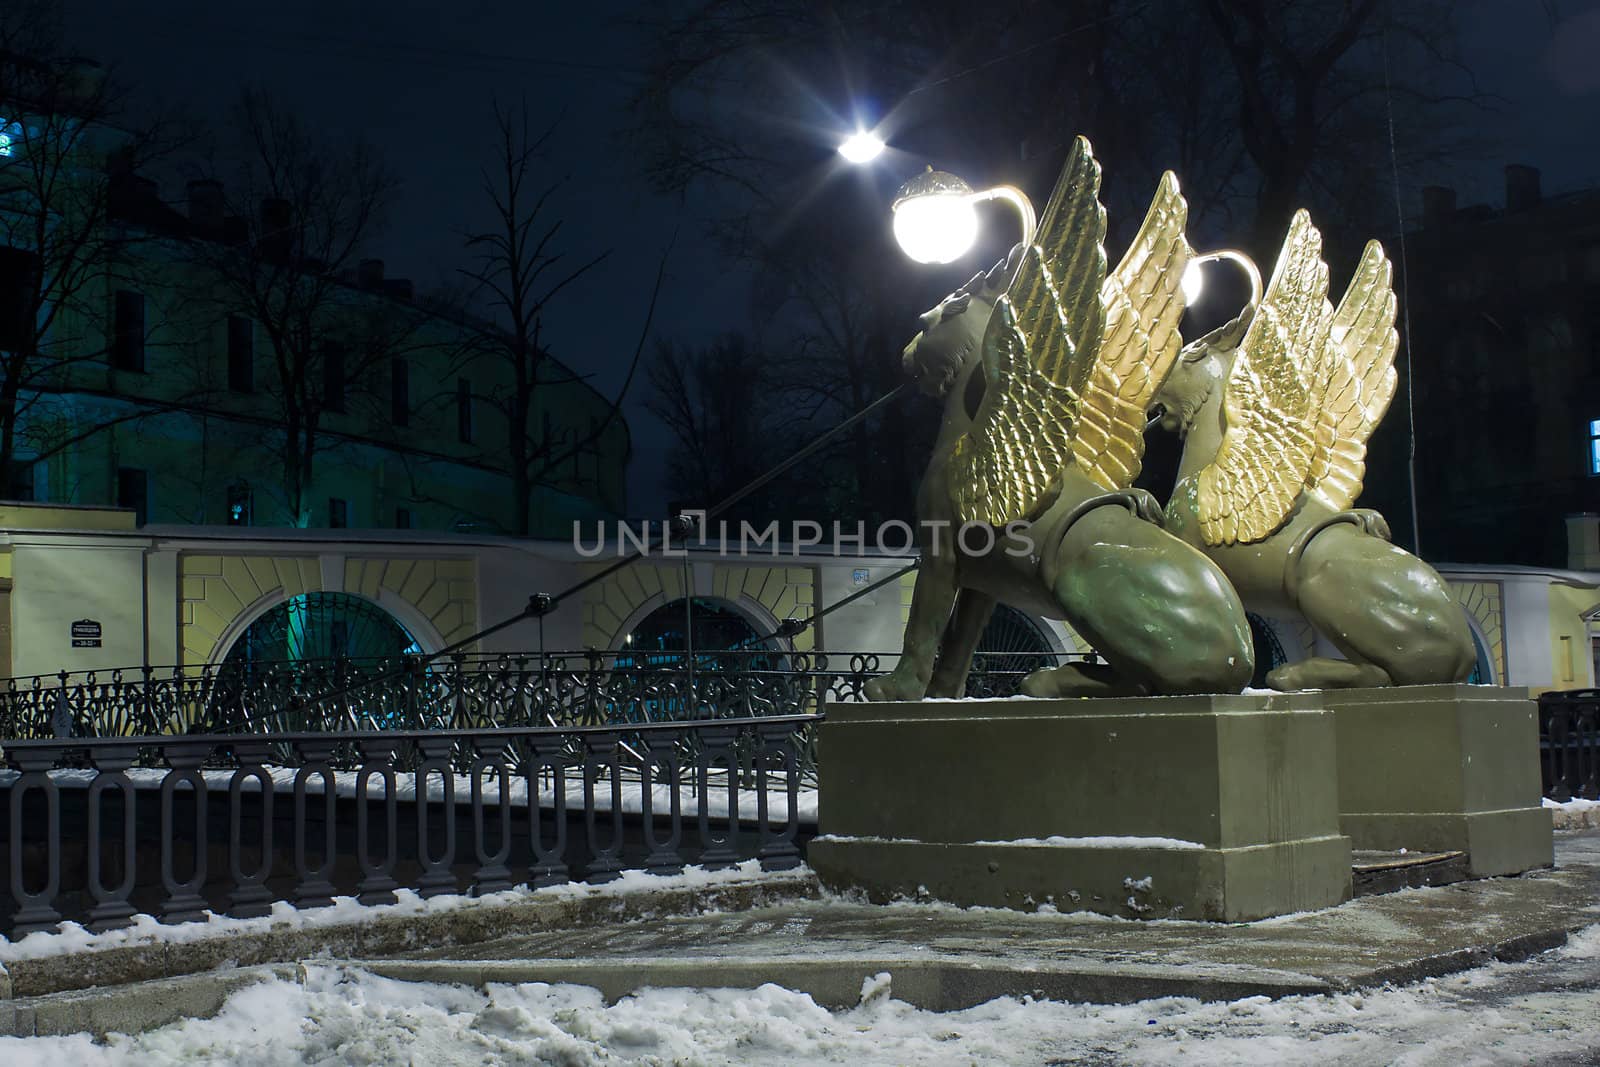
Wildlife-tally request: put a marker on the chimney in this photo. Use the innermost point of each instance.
(1522, 187)
(399, 288)
(275, 225)
(369, 274)
(206, 208)
(1438, 204)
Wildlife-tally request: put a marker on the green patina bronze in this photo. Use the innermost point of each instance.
(1163, 616)
(1296, 546)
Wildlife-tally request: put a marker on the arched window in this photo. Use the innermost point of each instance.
(322, 626)
(1268, 649)
(1013, 646)
(662, 637)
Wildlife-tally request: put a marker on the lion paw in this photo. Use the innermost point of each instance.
(896, 685)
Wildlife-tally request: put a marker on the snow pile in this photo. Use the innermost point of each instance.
(1100, 842)
(1574, 814)
(146, 930)
(344, 783)
(341, 1016)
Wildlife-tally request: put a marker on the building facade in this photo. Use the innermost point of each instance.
(1502, 318)
(199, 366)
(189, 596)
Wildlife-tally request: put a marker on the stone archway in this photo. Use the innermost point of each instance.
(321, 626)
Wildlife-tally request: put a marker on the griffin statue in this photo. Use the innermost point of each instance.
(1047, 365)
(1275, 409)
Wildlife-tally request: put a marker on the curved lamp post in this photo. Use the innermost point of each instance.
(1194, 280)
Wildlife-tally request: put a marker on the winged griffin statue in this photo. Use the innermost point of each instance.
(1275, 409)
(1047, 365)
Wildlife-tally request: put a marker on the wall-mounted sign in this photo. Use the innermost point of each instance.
(86, 634)
(860, 577)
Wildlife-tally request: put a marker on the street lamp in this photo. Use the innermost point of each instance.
(936, 218)
(1194, 279)
(862, 147)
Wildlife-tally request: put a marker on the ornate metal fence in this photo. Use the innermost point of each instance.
(100, 829)
(1569, 743)
(460, 692)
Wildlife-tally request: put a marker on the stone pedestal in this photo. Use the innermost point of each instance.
(1150, 807)
(1442, 768)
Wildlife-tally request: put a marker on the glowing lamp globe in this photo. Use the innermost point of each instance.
(934, 218)
(1194, 283)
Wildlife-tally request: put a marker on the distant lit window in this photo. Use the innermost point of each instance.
(338, 513)
(10, 137)
(241, 505)
(1594, 446)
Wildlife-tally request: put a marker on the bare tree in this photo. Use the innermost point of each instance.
(70, 201)
(300, 213)
(1333, 100)
(519, 272)
(720, 406)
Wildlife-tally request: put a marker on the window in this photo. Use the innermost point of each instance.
(464, 410)
(21, 485)
(19, 274)
(133, 491)
(241, 505)
(400, 392)
(241, 354)
(338, 513)
(127, 335)
(10, 137)
(402, 518)
(1594, 446)
(333, 380)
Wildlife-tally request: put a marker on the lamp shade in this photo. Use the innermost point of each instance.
(934, 217)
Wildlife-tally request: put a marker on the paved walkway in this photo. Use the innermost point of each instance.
(943, 958)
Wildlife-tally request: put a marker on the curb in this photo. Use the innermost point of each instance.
(134, 1008)
(381, 935)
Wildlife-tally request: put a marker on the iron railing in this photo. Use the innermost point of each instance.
(1569, 744)
(459, 692)
(101, 829)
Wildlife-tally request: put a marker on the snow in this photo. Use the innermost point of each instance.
(1501, 1013)
(1100, 842)
(1574, 814)
(146, 930)
(283, 778)
(1040, 842)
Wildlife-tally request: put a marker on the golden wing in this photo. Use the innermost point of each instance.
(1038, 350)
(1359, 380)
(1270, 418)
(1143, 301)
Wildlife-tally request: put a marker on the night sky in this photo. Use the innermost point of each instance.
(417, 79)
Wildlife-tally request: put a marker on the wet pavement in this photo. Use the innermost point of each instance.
(943, 957)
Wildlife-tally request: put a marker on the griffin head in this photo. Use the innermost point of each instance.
(1199, 367)
(952, 332)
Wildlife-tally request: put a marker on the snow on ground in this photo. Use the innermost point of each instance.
(345, 783)
(147, 930)
(1574, 814)
(1531, 1012)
